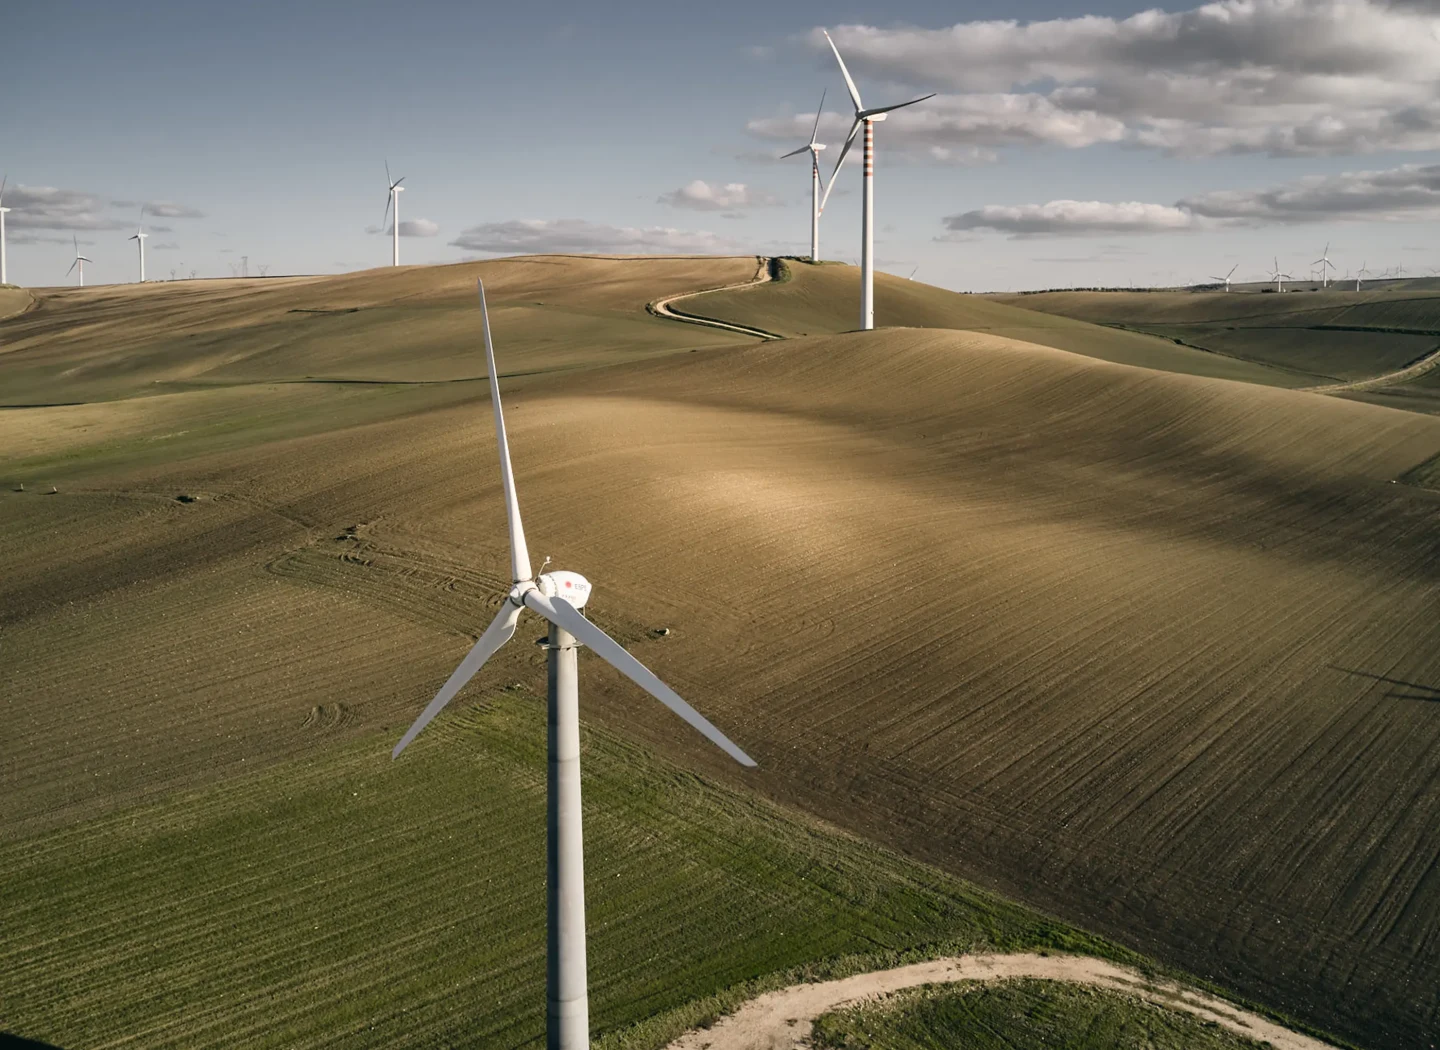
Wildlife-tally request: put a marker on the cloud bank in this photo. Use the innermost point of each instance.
(700, 195)
(540, 236)
(1408, 193)
(1282, 77)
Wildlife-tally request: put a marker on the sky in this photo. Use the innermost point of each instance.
(1091, 142)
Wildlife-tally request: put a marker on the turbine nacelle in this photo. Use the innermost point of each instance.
(571, 586)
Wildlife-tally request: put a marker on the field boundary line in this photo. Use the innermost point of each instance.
(784, 1019)
(763, 275)
(1411, 371)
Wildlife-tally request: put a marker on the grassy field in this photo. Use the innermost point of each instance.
(1148, 651)
(1322, 336)
(353, 901)
(1019, 1015)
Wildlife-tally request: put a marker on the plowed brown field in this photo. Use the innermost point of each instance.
(1157, 652)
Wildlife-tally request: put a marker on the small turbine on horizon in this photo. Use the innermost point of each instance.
(79, 262)
(1278, 277)
(1325, 264)
(4, 273)
(1226, 278)
(139, 240)
(558, 597)
(1359, 274)
(813, 148)
(392, 205)
(866, 118)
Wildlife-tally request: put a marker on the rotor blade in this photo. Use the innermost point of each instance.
(792, 153)
(388, 180)
(849, 141)
(519, 554)
(820, 109)
(561, 613)
(898, 105)
(1232, 270)
(72, 266)
(496, 635)
(386, 217)
(398, 181)
(854, 91)
(4, 181)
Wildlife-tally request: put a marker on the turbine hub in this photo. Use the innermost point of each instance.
(571, 586)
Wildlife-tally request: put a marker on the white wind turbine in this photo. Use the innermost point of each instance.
(813, 148)
(139, 240)
(558, 597)
(1362, 272)
(1278, 277)
(1324, 263)
(867, 118)
(80, 262)
(4, 273)
(1227, 277)
(392, 205)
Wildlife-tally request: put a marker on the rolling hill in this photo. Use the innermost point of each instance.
(1151, 651)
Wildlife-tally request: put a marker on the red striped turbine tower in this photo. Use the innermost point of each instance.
(867, 118)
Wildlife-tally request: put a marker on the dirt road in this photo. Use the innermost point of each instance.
(763, 275)
(782, 1020)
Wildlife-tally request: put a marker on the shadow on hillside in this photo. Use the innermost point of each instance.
(15, 1042)
(1421, 692)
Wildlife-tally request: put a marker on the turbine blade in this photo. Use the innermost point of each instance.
(388, 180)
(898, 105)
(398, 181)
(72, 266)
(849, 141)
(561, 613)
(854, 91)
(519, 554)
(496, 635)
(1232, 270)
(818, 110)
(386, 217)
(4, 181)
(792, 153)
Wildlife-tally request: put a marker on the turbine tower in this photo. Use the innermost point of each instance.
(4, 273)
(79, 262)
(866, 118)
(139, 240)
(558, 597)
(1227, 277)
(1359, 274)
(814, 149)
(1278, 277)
(392, 204)
(1324, 262)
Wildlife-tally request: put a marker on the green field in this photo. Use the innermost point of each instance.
(1019, 1015)
(351, 900)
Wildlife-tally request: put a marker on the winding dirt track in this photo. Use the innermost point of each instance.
(783, 1020)
(1426, 364)
(661, 307)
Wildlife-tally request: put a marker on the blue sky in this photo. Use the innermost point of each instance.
(273, 122)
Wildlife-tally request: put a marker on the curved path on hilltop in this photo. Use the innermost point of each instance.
(782, 1020)
(1413, 371)
(764, 273)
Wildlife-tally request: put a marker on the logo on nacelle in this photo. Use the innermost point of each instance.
(571, 586)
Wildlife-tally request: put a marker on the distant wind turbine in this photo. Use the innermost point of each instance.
(1359, 275)
(139, 240)
(79, 262)
(392, 205)
(1278, 277)
(4, 274)
(1325, 264)
(866, 118)
(557, 597)
(813, 148)
(913, 273)
(1226, 278)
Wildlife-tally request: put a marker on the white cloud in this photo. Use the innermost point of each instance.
(171, 210)
(168, 246)
(51, 208)
(418, 228)
(540, 236)
(1286, 77)
(1404, 194)
(700, 195)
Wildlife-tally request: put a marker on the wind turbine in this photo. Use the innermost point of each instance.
(80, 261)
(139, 240)
(392, 204)
(814, 149)
(1323, 262)
(558, 597)
(1226, 278)
(867, 118)
(4, 277)
(1359, 274)
(1278, 277)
